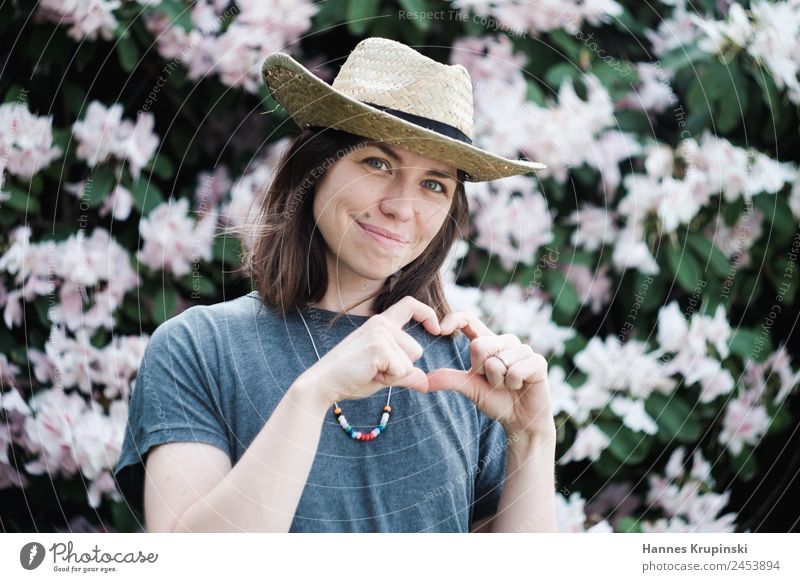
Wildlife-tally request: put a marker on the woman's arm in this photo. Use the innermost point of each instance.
(259, 494)
(528, 502)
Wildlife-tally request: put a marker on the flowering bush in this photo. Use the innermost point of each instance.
(654, 261)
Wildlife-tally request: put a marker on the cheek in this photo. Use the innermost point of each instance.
(432, 221)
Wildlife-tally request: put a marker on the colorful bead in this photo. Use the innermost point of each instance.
(363, 436)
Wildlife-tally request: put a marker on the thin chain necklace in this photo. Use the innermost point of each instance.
(355, 434)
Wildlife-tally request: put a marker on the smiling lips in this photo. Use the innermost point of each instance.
(386, 238)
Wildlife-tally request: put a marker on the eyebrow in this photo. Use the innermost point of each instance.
(392, 154)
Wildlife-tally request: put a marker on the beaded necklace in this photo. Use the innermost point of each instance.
(337, 411)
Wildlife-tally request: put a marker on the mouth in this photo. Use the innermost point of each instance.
(383, 240)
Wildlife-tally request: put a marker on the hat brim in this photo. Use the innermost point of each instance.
(310, 101)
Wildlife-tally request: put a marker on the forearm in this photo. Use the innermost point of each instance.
(262, 490)
(528, 501)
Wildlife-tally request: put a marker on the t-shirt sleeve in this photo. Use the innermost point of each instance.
(175, 398)
(491, 468)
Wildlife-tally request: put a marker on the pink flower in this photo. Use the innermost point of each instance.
(571, 515)
(26, 141)
(104, 134)
(595, 227)
(172, 240)
(530, 319)
(119, 364)
(77, 360)
(89, 19)
(51, 431)
(744, 424)
(593, 287)
(589, 443)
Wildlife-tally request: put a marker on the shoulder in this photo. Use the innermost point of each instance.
(200, 325)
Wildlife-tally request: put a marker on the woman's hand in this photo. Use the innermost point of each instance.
(517, 396)
(377, 354)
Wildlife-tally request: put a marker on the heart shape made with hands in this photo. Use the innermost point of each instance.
(517, 395)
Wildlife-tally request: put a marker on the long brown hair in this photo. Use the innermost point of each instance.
(287, 259)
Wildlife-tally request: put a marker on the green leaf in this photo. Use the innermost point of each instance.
(146, 195)
(709, 254)
(127, 52)
(535, 93)
(781, 420)
(627, 446)
(564, 297)
(629, 524)
(20, 200)
(330, 13)
(744, 464)
(227, 249)
(42, 306)
(179, 13)
(124, 518)
(769, 91)
(778, 218)
(751, 344)
(162, 166)
(575, 344)
(683, 56)
(164, 303)
(360, 14)
(684, 267)
(731, 211)
(74, 97)
(673, 417)
(198, 285)
(16, 93)
(566, 42)
(561, 72)
(98, 186)
(418, 7)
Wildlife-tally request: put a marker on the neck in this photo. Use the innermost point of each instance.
(346, 288)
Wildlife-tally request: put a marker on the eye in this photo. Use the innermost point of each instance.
(369, 162)
(435, 183)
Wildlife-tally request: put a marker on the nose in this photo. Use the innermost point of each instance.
(399, 200)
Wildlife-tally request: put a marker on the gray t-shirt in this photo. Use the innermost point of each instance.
(215, 373)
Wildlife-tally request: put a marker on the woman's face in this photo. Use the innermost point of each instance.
(381, 187)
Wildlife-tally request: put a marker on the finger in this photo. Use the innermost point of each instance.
(409, 308)
(469, 384)
(513, 376)
(406, 342)
(483, 347)
(495, 372)
(530, 370)
(468, 323)
(391, 362)
(416, 380)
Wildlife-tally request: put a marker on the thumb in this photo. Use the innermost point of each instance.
(450, 379)
(416, 380)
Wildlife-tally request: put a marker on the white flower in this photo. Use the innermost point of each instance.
(530, 319)
(589, 443)
(571, 515)
(103, 134)
(672, 327)
(172, 240)
(633, 415)
(744, 424)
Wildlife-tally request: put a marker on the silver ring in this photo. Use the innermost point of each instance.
(499, 357)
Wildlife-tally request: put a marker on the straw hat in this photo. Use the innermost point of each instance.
(387, 91)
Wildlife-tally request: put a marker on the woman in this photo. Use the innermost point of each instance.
(230, 414)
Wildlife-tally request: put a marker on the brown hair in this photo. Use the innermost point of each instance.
(287, 259)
